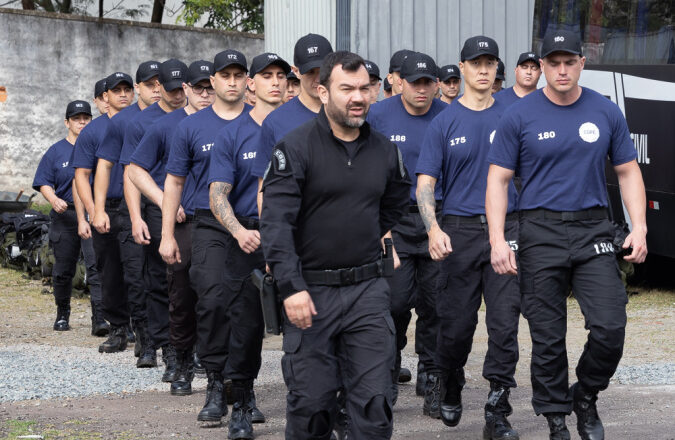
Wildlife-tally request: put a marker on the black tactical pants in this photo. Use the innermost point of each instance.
(414, 284)
(133, 262)
(466, 274)
(120, 268)
(182, 297)
(350, 345)
(228, 302)
(67, 246)
(554, 256)
(155, 279)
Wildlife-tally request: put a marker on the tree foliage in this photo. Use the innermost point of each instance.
(232, 15)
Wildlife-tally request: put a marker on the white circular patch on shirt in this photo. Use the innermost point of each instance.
(492, 135)
(589, 132)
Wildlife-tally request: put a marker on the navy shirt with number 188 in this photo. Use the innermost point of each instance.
(559, 151)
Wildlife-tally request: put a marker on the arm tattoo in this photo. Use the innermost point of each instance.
(427, 205)
(221, 207)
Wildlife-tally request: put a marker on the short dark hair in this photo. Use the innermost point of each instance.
(349, 61)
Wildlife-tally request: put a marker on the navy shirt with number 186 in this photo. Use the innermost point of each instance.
(232, 159)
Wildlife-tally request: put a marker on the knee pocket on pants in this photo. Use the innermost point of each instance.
(378, 409)
(54, 236)
(290, 346)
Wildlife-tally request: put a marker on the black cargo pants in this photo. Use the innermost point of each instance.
(182, 297)
(230, 324)
(155, 279)
(556, 255)
(67, 246)
(414, 285)
(350, 345)
(133, 261)
(466, 274)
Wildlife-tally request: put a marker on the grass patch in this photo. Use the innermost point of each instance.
(15, 428)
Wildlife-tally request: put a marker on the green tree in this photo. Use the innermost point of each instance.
(232, 15)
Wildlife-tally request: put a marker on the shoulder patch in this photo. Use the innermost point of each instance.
(401, 166)
(281, 160)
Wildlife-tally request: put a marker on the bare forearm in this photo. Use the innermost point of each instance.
(79, 206)
(221, 208)
(426, 200)
(145, 184)
(101, 183)
(173, 188)
(132, 196)
(496, 204)
(83, 188)
(259, 197)
(633, 195)
(48, 193)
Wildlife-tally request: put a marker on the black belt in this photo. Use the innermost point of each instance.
(343, 277)
(472, 219)
(113, 203)
(599, 213)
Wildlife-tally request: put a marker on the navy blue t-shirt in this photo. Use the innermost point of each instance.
(84, 154)
(54, 170)
(136, 128)
(232, 159)
(559, 151)
(456, 147)
(152, 151)
(275, 126)
(111, 144)
(407, 131)
(506, 96)
(190, 154)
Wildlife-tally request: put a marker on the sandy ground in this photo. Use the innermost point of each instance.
(628, 411)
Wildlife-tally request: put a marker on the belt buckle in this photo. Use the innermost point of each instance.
(348, 276)
(483, 219)
(567, 216)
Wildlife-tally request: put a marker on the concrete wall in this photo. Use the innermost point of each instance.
(48, 60)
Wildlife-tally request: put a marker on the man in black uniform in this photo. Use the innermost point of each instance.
(333, 190)
(558, 138)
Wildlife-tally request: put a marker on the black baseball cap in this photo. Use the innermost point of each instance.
(77, 107)
(114, 79)
(227, 58)
(262, 61)
(386, 85)
(477, 46)
(448, 71)
(291, 75)
(419, 65)
(397, 59)
(500, 71)
(172, 74)
(147, 70)
(310, 51)
(561, 41)
(528, 56)
(99, 88)
(373, 69)
(199, 71)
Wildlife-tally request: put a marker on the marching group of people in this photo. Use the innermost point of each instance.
(220, 168)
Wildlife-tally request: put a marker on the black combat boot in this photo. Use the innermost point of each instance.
(215, 407)
(148, 357)
(99, 327)
(451, 396)
(404, 375)
(588, 423)
(256, 415)
(241, 425)
(62, 317)
(131, 337)
(199, 369)
(169, 358)
(117, 341)
(182, 384)
(421, 385)
(497, 409)
(432, 396)
(558, 428)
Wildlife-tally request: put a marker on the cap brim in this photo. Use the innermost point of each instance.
(309, 66)
(117, 83)
(534, 60)
(281, 63)
(147, 77)
(172, 85)
(197, 79)
(479, 54)
(445, 78)
(572, 51)
(78, 113)
(416, 76)
(233, 63)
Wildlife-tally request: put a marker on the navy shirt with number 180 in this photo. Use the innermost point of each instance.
(560, 151)
(54, 170)
(232, 159)
(190, 154)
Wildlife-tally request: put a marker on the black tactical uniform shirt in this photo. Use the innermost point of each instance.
(326, 206)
